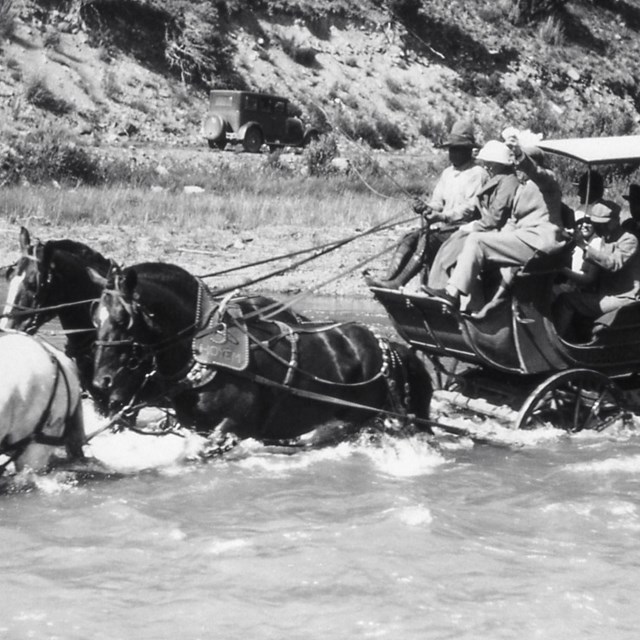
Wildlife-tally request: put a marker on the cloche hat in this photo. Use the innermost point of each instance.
(496, 151)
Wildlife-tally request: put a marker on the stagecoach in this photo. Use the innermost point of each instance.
(510, 363)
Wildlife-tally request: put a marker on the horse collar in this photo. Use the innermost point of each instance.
(221, 338)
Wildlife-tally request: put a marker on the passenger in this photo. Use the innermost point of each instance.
(534, 226)
(632, 222)
(612, 265)
(590, 191)
(452, 204)
(494, 204)
(586, 230)
(578, 269)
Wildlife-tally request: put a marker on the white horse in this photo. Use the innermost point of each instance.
(40, 403)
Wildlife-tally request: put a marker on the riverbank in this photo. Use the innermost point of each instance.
(209, 251)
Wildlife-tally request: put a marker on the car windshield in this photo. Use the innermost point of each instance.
(222, 100)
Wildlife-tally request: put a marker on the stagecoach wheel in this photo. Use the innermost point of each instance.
(253, 140)
(573, 400)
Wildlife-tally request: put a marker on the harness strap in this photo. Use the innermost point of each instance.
(320, 397)
(265, 347)
(292, 336)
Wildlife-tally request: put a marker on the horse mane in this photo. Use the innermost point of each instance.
(165, 285)
(78, 250)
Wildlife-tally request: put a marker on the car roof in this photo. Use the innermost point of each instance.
(605, 150)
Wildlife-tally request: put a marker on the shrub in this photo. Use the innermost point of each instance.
(391, 134)
(551, 31)
(44, 155)
(367, 132)
(320, 153)
(7, 19)
(39, 95)
(524, 11)
(301, 54)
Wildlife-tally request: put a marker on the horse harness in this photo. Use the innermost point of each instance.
(222, 340)
(39, 435)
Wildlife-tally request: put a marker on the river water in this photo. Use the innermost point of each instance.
(534, 536)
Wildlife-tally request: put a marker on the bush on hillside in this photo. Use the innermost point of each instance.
(302, 54)
(7, 19)
(524, 11)
(320, 153)
(391, 134)
(39, 95)
(41, 158)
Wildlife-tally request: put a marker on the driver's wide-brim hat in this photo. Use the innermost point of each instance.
(462, 135)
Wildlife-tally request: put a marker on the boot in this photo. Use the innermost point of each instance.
(411, 267)
(406, 263)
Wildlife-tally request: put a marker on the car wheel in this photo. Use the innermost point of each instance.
(217, 144)
(253, 140)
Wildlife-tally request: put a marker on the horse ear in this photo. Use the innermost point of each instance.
(25, 240)
(96, 277)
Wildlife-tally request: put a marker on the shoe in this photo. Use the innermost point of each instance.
(443, 294)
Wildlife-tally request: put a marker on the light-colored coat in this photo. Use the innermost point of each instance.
(536, 217)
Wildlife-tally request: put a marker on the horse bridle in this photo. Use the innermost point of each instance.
(37, 311)
(141, 352)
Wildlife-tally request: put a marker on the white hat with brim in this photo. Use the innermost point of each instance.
(495, 151)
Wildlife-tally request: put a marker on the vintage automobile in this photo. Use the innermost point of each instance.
(253, 119)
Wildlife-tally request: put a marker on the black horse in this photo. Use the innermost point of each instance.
(52, 279)
(251, 376)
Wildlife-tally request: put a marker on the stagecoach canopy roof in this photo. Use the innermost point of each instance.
(606, 150)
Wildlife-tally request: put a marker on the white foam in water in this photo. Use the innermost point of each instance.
(404, 457)
(128, 451)
(624, 464)
(415, 516)
(253, 455)
(220, 547)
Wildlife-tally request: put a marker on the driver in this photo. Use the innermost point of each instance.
(452, 203)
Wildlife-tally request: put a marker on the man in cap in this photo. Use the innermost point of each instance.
(611, 266)
(535, 226)
(452, 203)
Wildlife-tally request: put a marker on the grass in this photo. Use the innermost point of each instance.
(315, 202)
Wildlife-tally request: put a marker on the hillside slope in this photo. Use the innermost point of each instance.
(395, 74)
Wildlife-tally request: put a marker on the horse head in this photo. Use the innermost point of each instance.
(51, 279)
(27, 279)
(130, 341)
